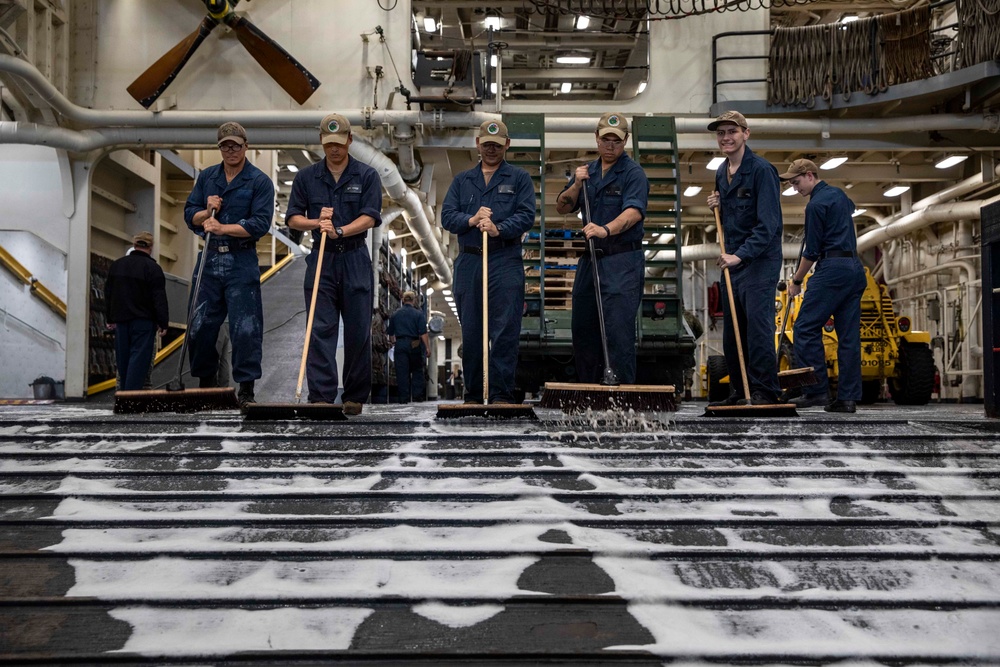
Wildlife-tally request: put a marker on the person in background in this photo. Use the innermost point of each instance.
(234, 202)
(497, 198)
(136, 309)
(747, 193)
(342, 198)
(835, 290)
(617, 192)
(408, 332)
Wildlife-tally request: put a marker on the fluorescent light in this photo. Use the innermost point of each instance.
(565, 87)
(859, 211)
(492, 22)
(642, 86)
(715, 163)
(789, 191)
(413, 266)
(493, 88)
(896, 190)
(573, 60)
(692, 190)
(430, 25)
(582, 22)
(848, 18)
(392, 235)
(951, 161)
(292, 168)
(833, 162)
(446, 292)
(423, 281)
(493, 60)
(430, 290)
(282, 216)
(402, 253)
(440, 337)
(287, 182)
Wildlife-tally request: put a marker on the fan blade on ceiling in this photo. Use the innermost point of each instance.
(283, 68)
(151, 83)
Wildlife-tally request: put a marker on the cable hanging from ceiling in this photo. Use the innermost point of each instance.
(651, 9)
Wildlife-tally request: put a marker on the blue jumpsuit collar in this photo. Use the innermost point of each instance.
(746, 167)
(350, 171)
(503, 170)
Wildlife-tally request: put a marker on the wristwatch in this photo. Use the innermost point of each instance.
(797, 282)
(340, 232)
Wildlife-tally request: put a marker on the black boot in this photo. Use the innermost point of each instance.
(207, 382)
(246, 393)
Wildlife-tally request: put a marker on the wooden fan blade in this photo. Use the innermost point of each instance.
(288, 72)
(151, 83)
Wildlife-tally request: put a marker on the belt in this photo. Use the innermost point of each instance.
(618, 248)
(492, 245)
(232, 246)
(345, 246)
(838, 253)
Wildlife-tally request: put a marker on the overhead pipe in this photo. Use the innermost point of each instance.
(967, 210)
(405, 197)
(409, 168)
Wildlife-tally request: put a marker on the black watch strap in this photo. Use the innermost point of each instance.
(796, 282)
(340, 231)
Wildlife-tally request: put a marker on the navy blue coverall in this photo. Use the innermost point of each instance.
(408, 324)
(751, 223)
(346, 285)
(511, 196)
(622, 268)
(834, 289)
(230, 283)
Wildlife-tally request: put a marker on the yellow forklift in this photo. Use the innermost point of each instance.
(890, 351)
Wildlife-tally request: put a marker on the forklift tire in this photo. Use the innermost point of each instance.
(717, 370)
(871, 390)
(914, 379)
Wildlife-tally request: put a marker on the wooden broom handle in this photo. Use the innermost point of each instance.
(732, 308)
(486, 322)
(312, 312)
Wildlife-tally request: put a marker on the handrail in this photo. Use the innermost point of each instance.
(37, 288)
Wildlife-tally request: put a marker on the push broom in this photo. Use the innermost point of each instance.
(487, 409)
(298, 410)
(748, 410)
(610, 394)
(175, 398)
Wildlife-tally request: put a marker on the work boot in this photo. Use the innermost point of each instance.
(810, 400)
(246, 393)
(352, 408)
(207, 382)
(841, 406)
(732, 399)
(763, 398)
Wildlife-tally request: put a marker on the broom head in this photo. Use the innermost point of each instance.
(293, 411)
(795, 378)
(185, 400)
(490, 411)
(571, 397)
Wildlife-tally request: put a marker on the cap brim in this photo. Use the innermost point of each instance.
(787, 176)
(621, 134)
(334, 139)
(499, 141)
(716, 124)
(236, 140)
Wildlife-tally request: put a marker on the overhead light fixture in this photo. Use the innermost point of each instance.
(446, 292)
(789, 191)
(413, 266)
(402, 253)
(582, 22)
(292, 168)
(692, 190)
(430, 290)
(849, 18)
(573, 60)
(492, 22)
(493, 88)
(440, 337)
(642, 87)
(423, 281)
(565, 87)
(287, 182)
(392, 235)
(282, 216)
(715, 163)
(430, 25)
(859, 211)
(493, 60)
(951, 161)
(896, 190)
(834, 162)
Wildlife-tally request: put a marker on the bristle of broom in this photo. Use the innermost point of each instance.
(292, 411)
(797, 377)
(757, 411)
(570, 397)
(185, 400)
(490, 411)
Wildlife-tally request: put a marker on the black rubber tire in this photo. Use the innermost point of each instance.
(786, 361)
(717, 369)
(870, 391)
(914, 379)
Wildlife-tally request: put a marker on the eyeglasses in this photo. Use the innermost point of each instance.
(611, 143)
(230, 147)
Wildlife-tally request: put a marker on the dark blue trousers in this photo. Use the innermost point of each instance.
(134, 351)
(622, 279)
(834, 289)
(409, 371)
(506, 302)
(753, 289)
(230, 286)
(346, 286)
